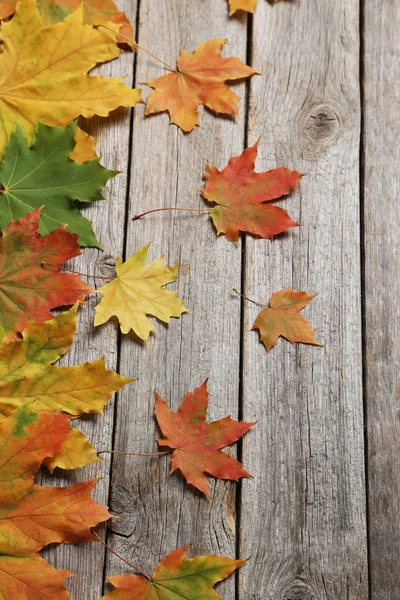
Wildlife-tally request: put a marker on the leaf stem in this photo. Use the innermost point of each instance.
(249, 299)
(120, 557)
(168, 208)
(135, 43)
(79, 273)
(133, 453)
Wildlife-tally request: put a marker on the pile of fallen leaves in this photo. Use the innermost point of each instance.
(47, 166)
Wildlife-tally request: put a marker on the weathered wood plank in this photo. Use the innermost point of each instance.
(90, 343)
(303, 515)
(382, 290)
(158, 512)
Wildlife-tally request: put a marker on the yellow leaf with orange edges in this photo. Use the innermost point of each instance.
(137, 292)
(76, 451)
(42, 72)
(199, 79)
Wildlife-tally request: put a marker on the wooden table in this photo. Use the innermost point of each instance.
(320, 519)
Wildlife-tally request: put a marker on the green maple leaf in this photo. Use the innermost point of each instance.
(44, 175)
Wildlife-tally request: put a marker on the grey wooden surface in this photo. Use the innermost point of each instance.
(320, 518)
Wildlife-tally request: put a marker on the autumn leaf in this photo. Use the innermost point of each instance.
(42, 72)
(94, 12)
(245, 5)
(197, 443)
(85, 147)
(176, 577)
(27, 374)
(136, 292)
(34, 516)
(27, 176)
(240, 195)
(199, 79)
(30, 281)
(283, 318)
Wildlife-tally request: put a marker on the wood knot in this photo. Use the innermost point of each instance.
(320, 126)
(105, 265)
(299, 591)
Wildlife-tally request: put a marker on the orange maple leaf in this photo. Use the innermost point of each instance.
(199, 79)
(283, 318)
(30, 281)
(197, 444)
(176, 576)
(240, 194)
(33, 516)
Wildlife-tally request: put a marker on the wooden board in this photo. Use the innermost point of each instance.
(158, 513)
(382, 290)
(303, 517)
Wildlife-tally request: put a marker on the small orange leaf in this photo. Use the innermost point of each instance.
(199, 79)
(240, 194)
(283, 318)
(196, 443)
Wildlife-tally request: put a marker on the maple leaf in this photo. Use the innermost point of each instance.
(94, 12)
(136, 292)
(85, 147)
(42, 72)
(30, 281)
(176, 576)
(33, 516)
(283, 318)
(246, 5)
(197, 443)
(199, 79)
(27, 176)
(27, 374)
(240, 195)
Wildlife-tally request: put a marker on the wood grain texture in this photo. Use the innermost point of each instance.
(158, 512)
(303, 516)
(91, 343)
(382, 290)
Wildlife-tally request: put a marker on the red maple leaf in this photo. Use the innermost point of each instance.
(240, 195)
(30, 281)
(197, 443)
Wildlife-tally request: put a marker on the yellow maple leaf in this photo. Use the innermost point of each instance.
(136, 292)
(42, 72)
(28, 376)
(246, 5)
(85, 147)
(199, 79)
